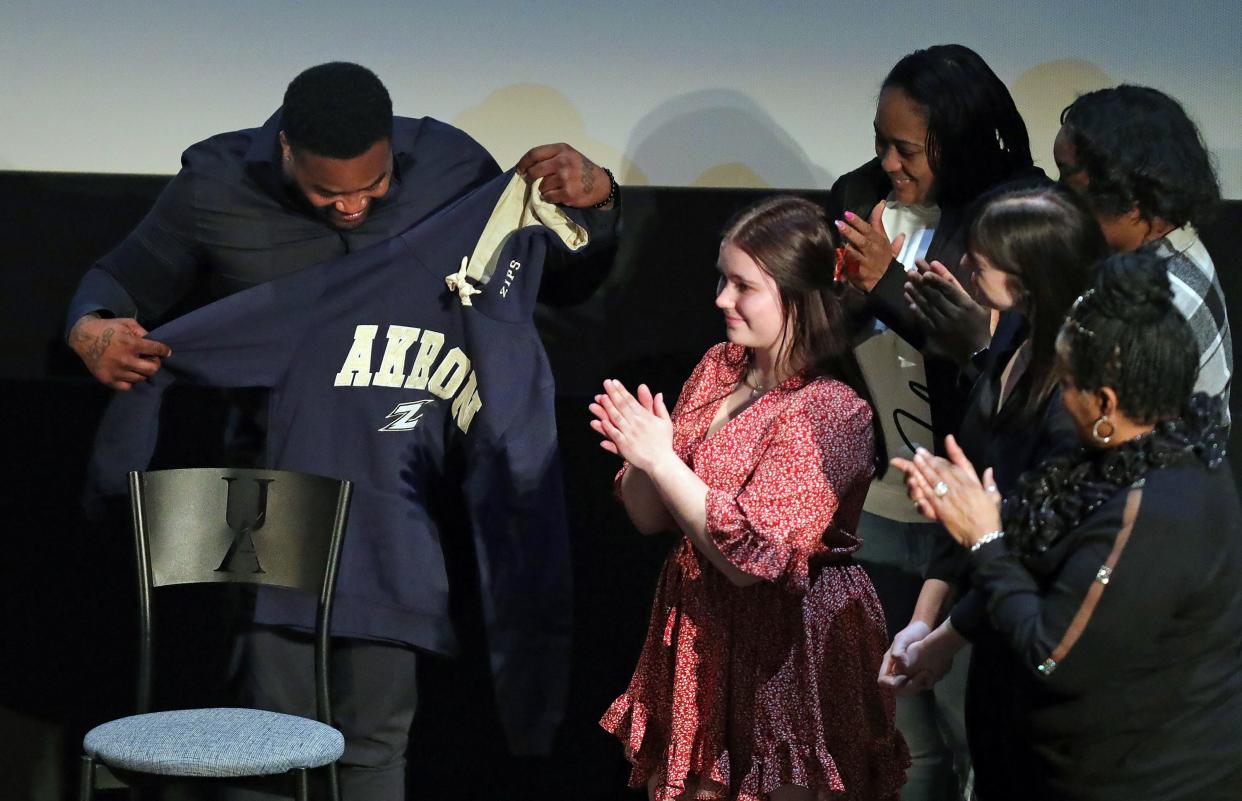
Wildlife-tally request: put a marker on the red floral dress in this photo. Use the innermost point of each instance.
(740, 690)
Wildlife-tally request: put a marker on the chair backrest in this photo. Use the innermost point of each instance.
(233, 525)
(204, 525)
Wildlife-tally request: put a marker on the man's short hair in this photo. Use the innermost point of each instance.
(338, 110)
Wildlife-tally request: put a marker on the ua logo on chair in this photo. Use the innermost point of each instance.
(245, 513)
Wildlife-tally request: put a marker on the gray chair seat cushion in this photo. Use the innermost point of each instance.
(214, 742)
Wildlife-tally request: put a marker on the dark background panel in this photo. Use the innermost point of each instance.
(639, 312)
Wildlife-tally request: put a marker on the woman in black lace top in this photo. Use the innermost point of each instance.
(1114, 574)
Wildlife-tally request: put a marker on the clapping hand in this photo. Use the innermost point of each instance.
(639, 429)
(868, 251)
(949, 490)
(954, 324)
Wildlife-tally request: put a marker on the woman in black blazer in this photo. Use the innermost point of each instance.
(946, 132)
(1030, 253)
(1113, 576)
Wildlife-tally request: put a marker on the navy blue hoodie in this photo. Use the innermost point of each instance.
(432, 394)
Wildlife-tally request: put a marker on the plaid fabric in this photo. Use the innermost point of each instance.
(1200, 299)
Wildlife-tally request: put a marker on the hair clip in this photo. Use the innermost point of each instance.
(1070, 318)
(1078, 328)
(1078, 300)
(843, 265)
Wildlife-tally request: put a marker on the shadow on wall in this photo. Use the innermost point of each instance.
(719, 137)
(653, 314)
(1229, 167)
(541, 115)
(1043, 91)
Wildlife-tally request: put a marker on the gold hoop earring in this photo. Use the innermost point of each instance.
(1103, 439)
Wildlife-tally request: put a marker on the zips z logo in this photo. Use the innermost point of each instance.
(407, 414)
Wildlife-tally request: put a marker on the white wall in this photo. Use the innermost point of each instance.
(758, 93)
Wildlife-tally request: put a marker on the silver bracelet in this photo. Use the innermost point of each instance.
(986, 538)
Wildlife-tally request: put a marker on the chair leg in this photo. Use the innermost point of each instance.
(86, 781)
(334, 783)
(302, 780)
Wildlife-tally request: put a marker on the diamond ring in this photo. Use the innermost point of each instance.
(941, 489)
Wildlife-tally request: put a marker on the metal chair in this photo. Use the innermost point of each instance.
(211, 525)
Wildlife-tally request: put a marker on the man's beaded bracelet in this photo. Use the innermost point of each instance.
(612, 191)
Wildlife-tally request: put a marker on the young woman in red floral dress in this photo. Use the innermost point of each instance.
(756, 680)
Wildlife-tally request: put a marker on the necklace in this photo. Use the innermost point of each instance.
(757, 388)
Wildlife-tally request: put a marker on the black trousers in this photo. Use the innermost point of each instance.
(374, 694)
